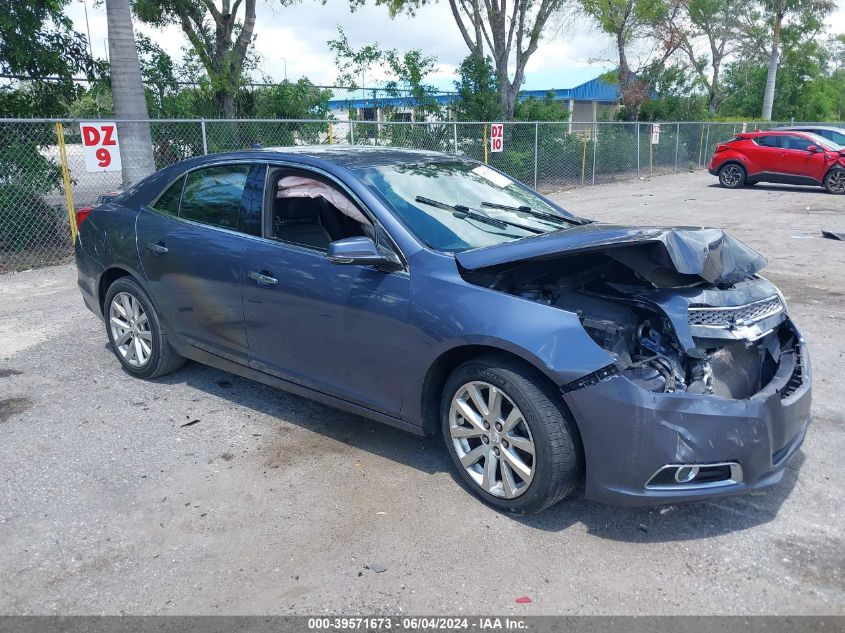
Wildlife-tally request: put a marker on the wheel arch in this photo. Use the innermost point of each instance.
(443, 366)
(109, 276)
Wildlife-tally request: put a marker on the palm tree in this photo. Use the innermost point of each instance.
(778, 11)
(136, 147)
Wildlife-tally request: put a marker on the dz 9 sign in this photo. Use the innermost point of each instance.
(497, 137)
(100, 146)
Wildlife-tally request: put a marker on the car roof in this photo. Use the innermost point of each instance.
(362, 156)
(799, 128)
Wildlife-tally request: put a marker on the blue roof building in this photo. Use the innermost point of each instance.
(586, 102)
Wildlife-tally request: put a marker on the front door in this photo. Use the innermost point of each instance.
(191, 242)
(340, 329)
(798, 162)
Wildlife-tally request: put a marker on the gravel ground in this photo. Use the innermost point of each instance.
(206, 493)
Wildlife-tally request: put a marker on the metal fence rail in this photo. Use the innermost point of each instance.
(34, 220)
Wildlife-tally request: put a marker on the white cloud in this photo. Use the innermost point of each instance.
(298, 35)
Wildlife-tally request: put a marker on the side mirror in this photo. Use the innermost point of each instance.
(812, 148)
(363, 252)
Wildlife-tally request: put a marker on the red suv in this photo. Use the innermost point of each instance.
(795, 158)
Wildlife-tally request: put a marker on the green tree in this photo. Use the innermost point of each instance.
(511, 34)
(714, 26)
(299, 100)
(546, 109)
(478, 90)
(37, 41)
(632, 21)
(405, 71)
(777, 13)
(219, 37)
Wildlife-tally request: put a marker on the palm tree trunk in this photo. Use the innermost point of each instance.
(136, 148)
(771, 78)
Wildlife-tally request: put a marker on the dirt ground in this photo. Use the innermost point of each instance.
(206, 493)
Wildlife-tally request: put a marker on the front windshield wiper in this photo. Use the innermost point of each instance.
(529, 211)
(462, 211)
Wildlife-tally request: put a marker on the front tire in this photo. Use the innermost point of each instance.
(509, 436)
(137, 335)
(732, 176)
(834, 182)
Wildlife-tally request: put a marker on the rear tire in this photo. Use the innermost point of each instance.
(732, 176)
(137, 335)
(523, 456)
(834, 182)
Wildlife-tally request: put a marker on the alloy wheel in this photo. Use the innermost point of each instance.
(492, 439)
(130, 329)
(731, 175)
(836, 182)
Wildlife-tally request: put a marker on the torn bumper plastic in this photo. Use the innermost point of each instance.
(630, 434)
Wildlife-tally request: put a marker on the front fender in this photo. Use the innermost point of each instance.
(452, 313)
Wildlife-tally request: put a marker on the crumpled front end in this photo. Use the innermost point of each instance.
(646, 447)
(708, 391)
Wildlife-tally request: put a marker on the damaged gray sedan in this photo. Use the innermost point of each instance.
(437, 295)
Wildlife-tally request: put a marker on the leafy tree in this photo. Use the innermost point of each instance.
(631, 21)
(717, 27)
(159, 74)
(478, 90)
(512, 35)
(37, 40)
(777, 13)
(218, 36)
(406, 72)
(809, 86)
(546, 109)
(299, 100)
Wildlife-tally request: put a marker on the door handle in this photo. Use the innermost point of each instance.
(263, 278)
(157, 248)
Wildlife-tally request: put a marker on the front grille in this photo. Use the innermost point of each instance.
(739, 316)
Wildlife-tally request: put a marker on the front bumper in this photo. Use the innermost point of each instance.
(630, 433)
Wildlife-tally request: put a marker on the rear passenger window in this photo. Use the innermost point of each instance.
(168, 202)
(213, 196)
(773, 140)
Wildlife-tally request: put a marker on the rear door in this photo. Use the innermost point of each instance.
(191, 242)
(766, 154)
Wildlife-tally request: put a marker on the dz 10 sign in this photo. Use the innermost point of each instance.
(100, 146)
(497, 137)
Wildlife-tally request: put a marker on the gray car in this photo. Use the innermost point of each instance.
(833, 134)
(433, 293)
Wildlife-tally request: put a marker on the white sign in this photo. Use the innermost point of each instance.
(100, 146)
(655, 133)
(497, 137)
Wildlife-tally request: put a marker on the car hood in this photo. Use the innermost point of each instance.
(658, 253)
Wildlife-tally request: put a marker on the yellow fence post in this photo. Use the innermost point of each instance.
(485, 143)
(60, 134)
(331, 133)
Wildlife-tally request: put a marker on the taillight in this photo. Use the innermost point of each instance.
(721, 147)
(81, 214)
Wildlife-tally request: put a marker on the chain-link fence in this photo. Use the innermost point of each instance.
(34, 219)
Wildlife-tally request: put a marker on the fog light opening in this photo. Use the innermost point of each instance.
(686, 474)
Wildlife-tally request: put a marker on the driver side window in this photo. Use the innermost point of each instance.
(308, 211)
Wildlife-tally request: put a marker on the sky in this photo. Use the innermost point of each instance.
(292, 41)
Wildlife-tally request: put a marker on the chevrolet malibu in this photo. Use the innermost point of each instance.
(435, 294)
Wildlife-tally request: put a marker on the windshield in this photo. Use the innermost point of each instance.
(457, 205)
